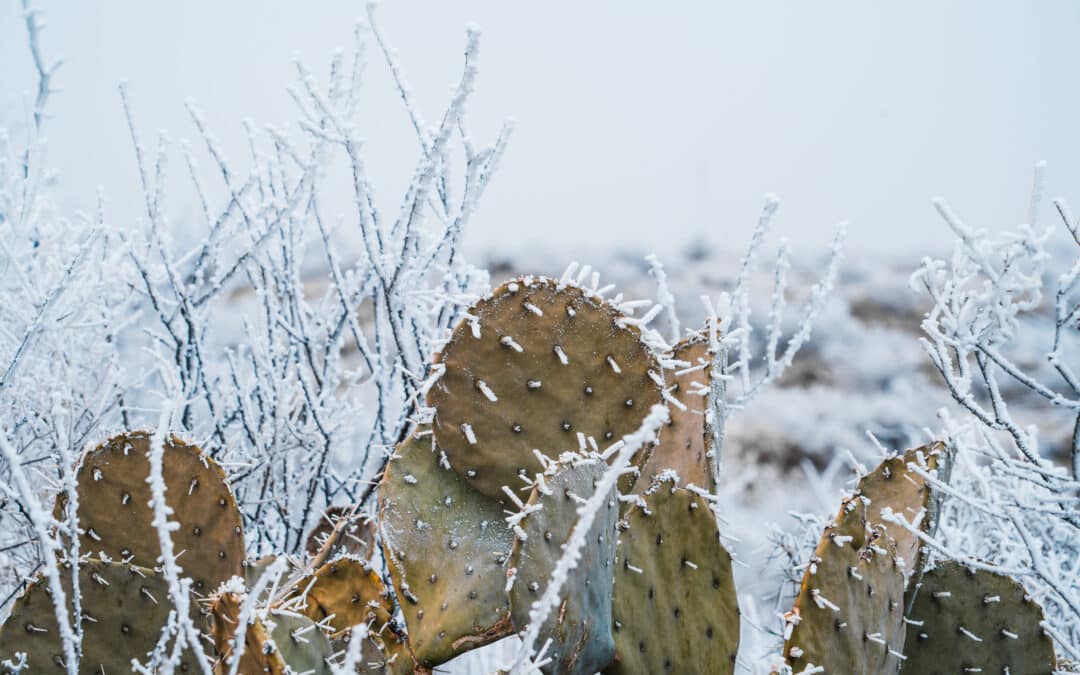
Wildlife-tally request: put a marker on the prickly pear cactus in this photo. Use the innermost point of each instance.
(675, 606)
(848, 616)
(974, 621)
(537, 366)
(302, 645)
(447, 547)
(225, 611)
(115, 515)
(341, 532)
(381, 652)
(581, 627)
(345, 592)
(124, 609)
(274, 642)
(685, 443)
(893, 485)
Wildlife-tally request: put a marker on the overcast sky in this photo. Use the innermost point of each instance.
(644, 123)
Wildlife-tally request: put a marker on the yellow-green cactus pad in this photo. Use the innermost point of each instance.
(974, 621)
(225, 619)
(124, 609)
(447, 547)
(894, 486)
(849, 614)
(115, 514)
(675, 606)
(345, 592)
(580, 627)
(538, 366)
(341, 532)
(685, 443)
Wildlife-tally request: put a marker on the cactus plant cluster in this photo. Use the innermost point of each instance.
(125, 601)
(124, 609)
(870, 602)
(538, 385)
(539, 380)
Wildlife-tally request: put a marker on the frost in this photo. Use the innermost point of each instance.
(295, 345)
(291, 343)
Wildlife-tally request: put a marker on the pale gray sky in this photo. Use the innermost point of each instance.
(647, 123)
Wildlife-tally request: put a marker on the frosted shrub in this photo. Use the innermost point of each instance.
(1011, 506)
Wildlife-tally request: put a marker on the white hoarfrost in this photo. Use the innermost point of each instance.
(295, 345)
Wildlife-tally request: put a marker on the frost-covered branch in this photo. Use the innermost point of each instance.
(733, 379)
(981, 297)
(42, 523)
(293, 342)
(326, 373)
(58, 371)
(1011, 505)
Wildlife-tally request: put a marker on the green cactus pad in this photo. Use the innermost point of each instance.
(538, 364)
(346, 592)
(301, 644)
(580, 628)
(966, 621)
(115, 514)
(447, 547)
(340, 532)
(893, 485)
(849, 614)
(675, 606)
(685, 443)
(124, 608)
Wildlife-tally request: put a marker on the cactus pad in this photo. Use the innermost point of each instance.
(848, 616)
(341, 532)
(302, 645)
(225, 617)
(685, 443)
(124, 609)
(274, 642)
(893, 485)
(675, 606)
(384, 652)
(345, 592)
(964, 620)
(580, 628)
(115, 515)
(447, 547)
(533, 367)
